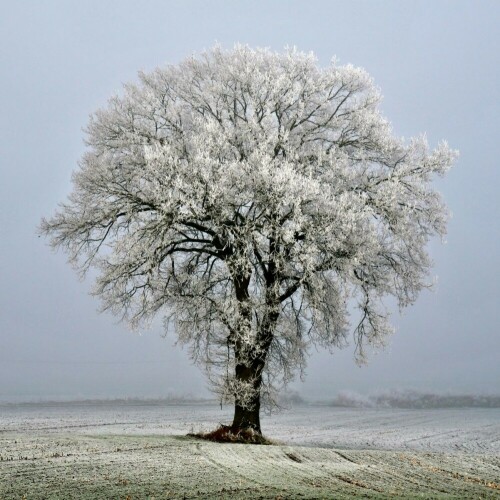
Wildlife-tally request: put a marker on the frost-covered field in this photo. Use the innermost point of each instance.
(140, 451)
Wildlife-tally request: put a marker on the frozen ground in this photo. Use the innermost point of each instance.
(139, 451)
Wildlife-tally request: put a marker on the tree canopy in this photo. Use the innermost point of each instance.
(250, 197)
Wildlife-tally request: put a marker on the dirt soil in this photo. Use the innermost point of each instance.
(79, 466)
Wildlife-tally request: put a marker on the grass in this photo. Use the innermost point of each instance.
(100, 467)
(229, 434)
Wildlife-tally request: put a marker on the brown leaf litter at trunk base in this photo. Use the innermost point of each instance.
(230, 434)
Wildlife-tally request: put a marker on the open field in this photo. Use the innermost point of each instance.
(140, 451)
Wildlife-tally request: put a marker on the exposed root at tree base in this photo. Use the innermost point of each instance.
(229, 434)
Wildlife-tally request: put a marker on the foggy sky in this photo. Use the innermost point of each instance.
(437, 65)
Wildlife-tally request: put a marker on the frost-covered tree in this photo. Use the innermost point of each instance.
(250, 197)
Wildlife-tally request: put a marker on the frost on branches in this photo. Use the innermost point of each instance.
(251, 196)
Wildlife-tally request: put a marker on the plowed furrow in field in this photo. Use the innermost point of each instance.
(114, 466)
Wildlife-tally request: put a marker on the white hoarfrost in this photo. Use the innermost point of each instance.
(249, 196)
(105, 450)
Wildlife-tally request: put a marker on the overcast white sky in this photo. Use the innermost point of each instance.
(437, 65)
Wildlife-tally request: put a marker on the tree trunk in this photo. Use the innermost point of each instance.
(249, 371)
(247, 413)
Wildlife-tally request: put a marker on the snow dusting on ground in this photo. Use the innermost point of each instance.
(141, 451)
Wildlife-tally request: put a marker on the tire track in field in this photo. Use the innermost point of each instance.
(114, 466)
(301, 470)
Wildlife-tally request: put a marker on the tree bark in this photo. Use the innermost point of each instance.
(247, 413)
(250, 365)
